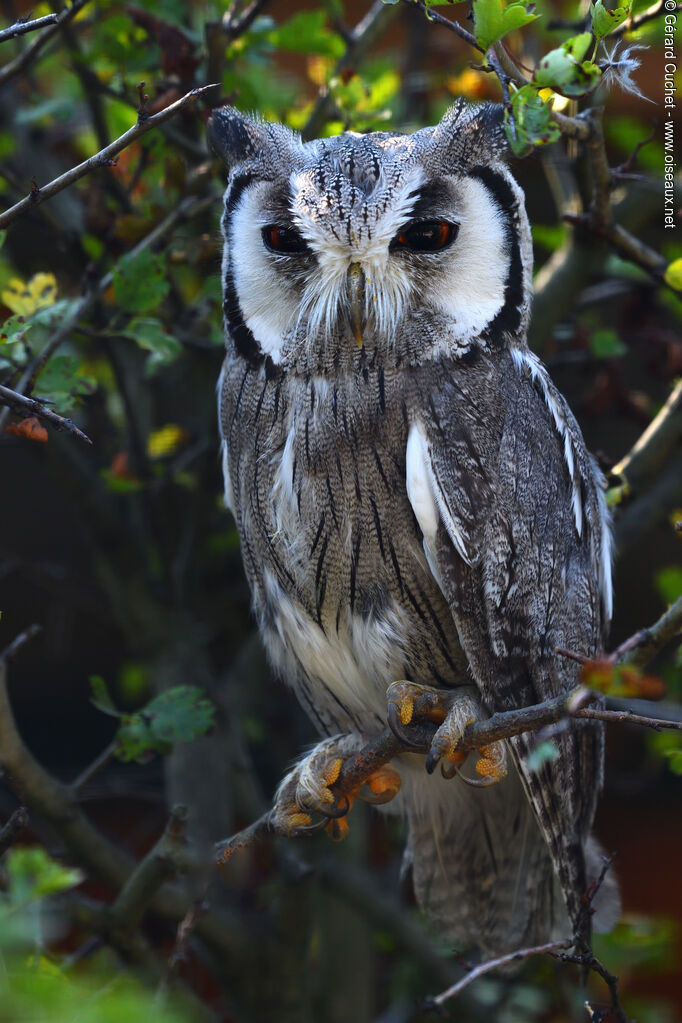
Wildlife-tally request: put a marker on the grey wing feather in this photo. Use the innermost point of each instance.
(504, 482)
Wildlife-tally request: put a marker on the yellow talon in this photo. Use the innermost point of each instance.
(299, 820)
(331, 774)
(491, 764)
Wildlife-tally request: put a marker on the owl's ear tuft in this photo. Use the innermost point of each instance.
(470, 134)
(236, 138)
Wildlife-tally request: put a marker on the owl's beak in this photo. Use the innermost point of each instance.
(355, 282)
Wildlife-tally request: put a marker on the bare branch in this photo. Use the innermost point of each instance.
(363, 37)
(25, 59)
(23, 25)
(93, 768)
(17, 823)
(101, 159)
(386, 746)
(54, 801)
(17, 644)
(451, 26)
(661, 436)
(650, 641)
(234, 24)
(160, 863)
(19, 403)
(494, 964)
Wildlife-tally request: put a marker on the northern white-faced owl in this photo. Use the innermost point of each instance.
(413, 495)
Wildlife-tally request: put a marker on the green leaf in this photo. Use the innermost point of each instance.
(440, 3)
(673, 274)
(544, 753)
(605, 344)
(101, 697)
(34, 875)
(669, 583)
(150, 335)
(529, 122)
(564, 69)
(604, 20)
(140, 283)
(308, 32)
(61, 382)
(180, 714)
(493, 20)
(37, 327)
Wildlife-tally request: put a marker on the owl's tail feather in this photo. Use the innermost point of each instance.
(482, 871)
(480, 868)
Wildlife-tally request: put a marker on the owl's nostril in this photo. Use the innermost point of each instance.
(355, 283)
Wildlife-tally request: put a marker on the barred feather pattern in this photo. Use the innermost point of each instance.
(422, 507)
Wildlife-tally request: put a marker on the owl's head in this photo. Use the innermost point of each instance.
(397, 246)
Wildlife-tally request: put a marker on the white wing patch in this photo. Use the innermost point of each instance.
(539, 375)
(426, 497)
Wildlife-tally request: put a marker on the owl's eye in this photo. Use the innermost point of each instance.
(426, 236)
(284, 239)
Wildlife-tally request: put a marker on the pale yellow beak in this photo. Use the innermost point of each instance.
(355, 283)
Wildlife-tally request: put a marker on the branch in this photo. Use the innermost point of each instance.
(363, 37)
(19, 403)
(23, 25)
(17, 823)
(55, 802)
(386, 746)
(160, 863)
(661, 436)
(101, 159)
(234, 26)
(20, 63)
(188, 207)
(648, 642)
(436, 1004)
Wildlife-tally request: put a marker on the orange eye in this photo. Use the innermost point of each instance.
(426, 236)
(285, 240)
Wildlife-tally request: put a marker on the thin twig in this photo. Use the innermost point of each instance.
(20, 403)
(651, 449)
(188, 207)
(25, 59)
(17, 823)
(363, 37)
(235, 26)
(653, 639)
(438, 1001)
(101, 159)
(160, 863)
(23, 25)
(18, 643)
(93, 768)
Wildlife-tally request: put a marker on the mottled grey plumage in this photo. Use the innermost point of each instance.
(421, 507)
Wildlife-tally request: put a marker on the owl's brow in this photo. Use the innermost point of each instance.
(436, 196)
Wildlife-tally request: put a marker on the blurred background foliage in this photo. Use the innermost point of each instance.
(123, 552)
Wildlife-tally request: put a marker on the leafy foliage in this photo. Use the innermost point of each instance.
(129, 540)
(179, 714)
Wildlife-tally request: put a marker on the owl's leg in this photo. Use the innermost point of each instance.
(453, 710)
(308, 788)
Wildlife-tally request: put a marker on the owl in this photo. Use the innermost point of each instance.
(414, 499)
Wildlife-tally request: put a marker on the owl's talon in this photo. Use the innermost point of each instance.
(308, 791)
(396, 725)
(453, 710)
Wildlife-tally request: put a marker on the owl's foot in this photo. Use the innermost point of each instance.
(308, 790)
(453, 710)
